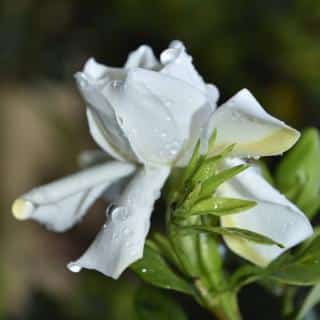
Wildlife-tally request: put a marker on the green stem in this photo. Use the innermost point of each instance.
(223, 306)
(288, 301)
(200, 259)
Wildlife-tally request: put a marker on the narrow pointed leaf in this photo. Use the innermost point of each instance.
(212, 141)
(236, 232)
(193, 163)
(206, 170)
(153, 269)
(219, 206)
(210, 185)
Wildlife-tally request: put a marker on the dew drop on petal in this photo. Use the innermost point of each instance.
(73, 267)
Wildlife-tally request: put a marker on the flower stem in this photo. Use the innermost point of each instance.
(224, 305)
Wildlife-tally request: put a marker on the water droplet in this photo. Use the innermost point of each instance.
(116, 83)
(173, 152)
(110, 209)
(168, 103)
(73, 267)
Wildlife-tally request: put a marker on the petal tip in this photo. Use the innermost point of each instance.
(177, 44)
(288, 137)
(94, 69)
(22, 209)
(81, 80)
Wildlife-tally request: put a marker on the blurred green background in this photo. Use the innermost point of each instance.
(271, 47)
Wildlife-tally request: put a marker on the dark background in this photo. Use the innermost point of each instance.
(271, 47)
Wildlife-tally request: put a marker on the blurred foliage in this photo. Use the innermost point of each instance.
(298, 173)
(270, 46)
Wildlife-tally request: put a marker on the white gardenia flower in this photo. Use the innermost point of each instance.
(148, 116)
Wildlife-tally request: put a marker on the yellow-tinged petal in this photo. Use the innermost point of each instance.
(242, 121)
(274, 217)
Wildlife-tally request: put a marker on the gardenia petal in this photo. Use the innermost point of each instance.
(143, 57)
(102, 120)
(273, 216)
(148, 124)
(243, 121)
(121, 240)
(213, 96)
(177, 63)
(61, 204)
(186, 108)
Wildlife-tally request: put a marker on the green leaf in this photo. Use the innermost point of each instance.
(193, 164)
(212, 141)
(153, 304)
(166, 249)
(206, 170)
(309, 302)
(153, 269)
(173, 185)
(210, 259)
(301, 268)
(219, 206)
(298, 174)
(190, 199)
(211, 184)
(236, 232)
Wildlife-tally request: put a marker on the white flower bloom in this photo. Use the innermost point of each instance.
(148, 116)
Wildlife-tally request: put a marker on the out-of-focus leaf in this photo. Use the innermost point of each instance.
(301, 268)
(153, 269)
(309, 302)
(102, 298)
(298, 174)
(234, 232)
(151, 304)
